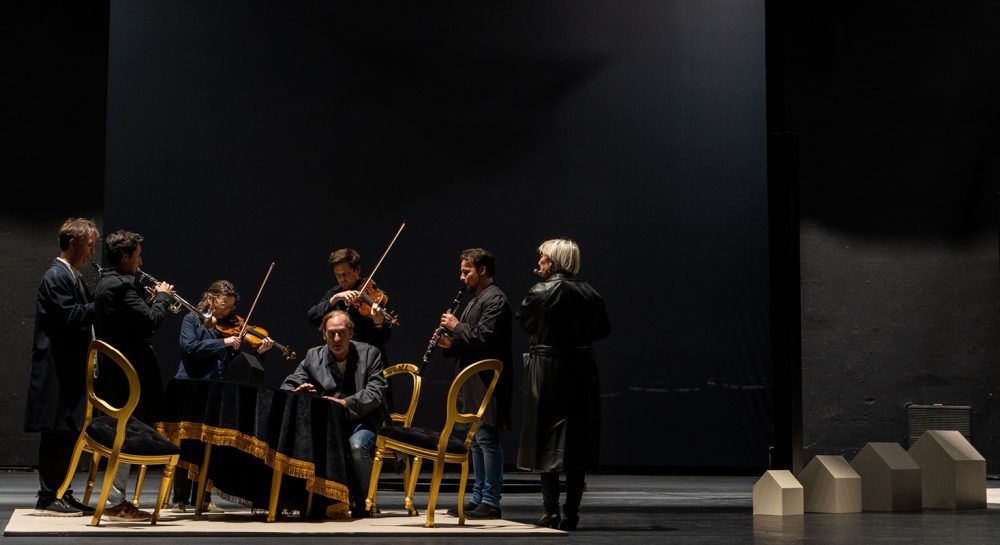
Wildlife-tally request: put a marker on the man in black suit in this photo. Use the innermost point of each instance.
(64, 318)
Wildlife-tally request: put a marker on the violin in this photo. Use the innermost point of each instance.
(372, 296)
(232, 327)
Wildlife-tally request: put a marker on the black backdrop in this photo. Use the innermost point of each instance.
(241, 133)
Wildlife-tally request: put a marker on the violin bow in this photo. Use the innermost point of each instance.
(385, 253)
(246, 321)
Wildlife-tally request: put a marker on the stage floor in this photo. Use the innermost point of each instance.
(619, 509)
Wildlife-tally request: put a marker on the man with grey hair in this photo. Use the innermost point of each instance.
(348, 373)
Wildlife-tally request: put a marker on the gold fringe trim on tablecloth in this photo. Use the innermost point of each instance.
(177, 431)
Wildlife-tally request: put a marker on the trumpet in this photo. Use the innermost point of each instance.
(207, 320)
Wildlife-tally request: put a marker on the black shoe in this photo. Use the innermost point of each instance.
(549, 520)
(76, 504)
(56, 508)
(484, 512)
(358, 512)
(569, 523)
(361, 513)
(469, 507)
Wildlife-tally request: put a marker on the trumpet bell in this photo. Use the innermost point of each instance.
(208, 321)
(177, 303)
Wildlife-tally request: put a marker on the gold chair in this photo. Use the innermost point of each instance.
(118, 437)
(405, 418)
(439, 446)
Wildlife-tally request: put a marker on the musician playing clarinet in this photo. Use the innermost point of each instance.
(372, 328)
(482, 332)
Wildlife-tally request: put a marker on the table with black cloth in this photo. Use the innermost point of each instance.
(262, 437)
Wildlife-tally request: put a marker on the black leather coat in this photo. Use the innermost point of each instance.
(561, 417)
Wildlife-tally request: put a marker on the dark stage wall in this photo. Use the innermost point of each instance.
(56, 59)
(245, 133)
(895, 110)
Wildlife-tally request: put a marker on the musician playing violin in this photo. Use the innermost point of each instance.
(205, 354)
(371, 327)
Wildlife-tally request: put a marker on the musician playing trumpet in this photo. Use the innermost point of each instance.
(126, 318)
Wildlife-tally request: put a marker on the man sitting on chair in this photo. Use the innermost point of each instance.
(348, 373)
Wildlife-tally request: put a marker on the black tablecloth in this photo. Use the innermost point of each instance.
(255, 429)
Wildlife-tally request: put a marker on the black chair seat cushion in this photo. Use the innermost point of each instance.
(140, 438)
(421, 437)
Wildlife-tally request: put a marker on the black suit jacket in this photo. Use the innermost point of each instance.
(63, 320)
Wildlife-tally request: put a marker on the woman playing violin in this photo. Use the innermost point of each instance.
(370, 325)
(205, 353)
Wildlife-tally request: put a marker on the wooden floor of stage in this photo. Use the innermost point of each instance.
(626, 509)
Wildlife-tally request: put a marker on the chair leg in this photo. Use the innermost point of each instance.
(461, 492)
(407, 490)
(138, 484)
(373, 481)
(435, 485)
(109, 476)
(412, 486)
(165, 485)
(272, 504)
(202, 479)
(74, 460)
(95, 460)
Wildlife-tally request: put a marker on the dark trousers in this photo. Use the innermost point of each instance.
(184, 489)
(574, 492)
(54, 452)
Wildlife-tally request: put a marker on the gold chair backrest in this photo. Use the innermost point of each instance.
(456, 417)
(409, 369)
(121, 414)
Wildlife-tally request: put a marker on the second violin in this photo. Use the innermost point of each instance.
(371, 296)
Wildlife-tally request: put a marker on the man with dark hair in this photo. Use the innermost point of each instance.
(482, 332)
(372, 329)
(64, 318)
(126, 319)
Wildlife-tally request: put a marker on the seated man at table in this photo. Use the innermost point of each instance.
(348, 373)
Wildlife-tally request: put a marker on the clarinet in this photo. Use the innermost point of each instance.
(440, 330)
